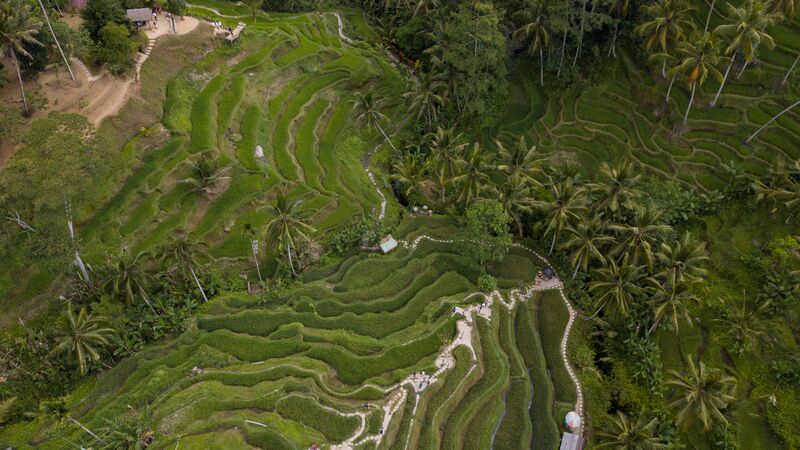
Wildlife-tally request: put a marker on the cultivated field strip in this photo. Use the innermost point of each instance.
(287, 87)
(299, 370)
(625, 117)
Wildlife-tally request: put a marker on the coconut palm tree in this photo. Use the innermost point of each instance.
(638, 238)
(517, 198)
(586, 242)
(774, 118)
(446, 144)
(425, 98)
(206, 173)
(698, 58)
(747, 326)
(129, 279)
(472, 174)
(519, 161)
(254, 5)
(411, 174)
(702, 394)
(670, 21)
(56, 409)
(185, 254)
(368, 112)
(684, 259)
(783, 188)
(616, 285)
(746, 32)
(623, 434)
(669, 300)
(55, 38)
(617, 193)
(82, 337)
(17, 28)
(288, 226)
(561, 210)
(535, 30)
(784, 7)
(618, 9)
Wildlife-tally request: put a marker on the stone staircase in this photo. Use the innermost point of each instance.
(142, 57)
(77, 62)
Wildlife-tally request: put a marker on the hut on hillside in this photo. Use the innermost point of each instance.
(140, 17)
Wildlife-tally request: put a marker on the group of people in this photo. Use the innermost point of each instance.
(220, 26)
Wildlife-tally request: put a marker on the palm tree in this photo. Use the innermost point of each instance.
(445, 147)
(670, 21)
(535, 30)
(411, 174)
(783, 188)
(562, 209)
(618, 9)
(746, 32)
(254, 5)
(746, 326)
(774, 118)
(82, 337)
(425, 98)
(617, 193)
(519, 161)
(638, 238)
(669, 301)
(17, 28)
(699, 58)
(368, 112)
(785, 7)
(56, 409)
(684, 258)
(586, 243)
(55, 39)
(288, 226)
(616, 285)
(206, 173)
(516, 197)
(702, 394)
(184, 254)
(622, 434)
(129, 279)
(472, 174)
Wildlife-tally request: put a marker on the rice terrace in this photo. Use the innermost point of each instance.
(399, 224)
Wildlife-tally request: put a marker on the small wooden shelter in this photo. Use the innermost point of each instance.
(234, 34)
(140, 16)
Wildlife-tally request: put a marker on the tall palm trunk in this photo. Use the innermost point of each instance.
(669, 89)
(580, 33)
(612, 50)
(575, 272)
(708, 18)
(289, 255)
(58, 44)
(385, 136)
(541, 66)
(563, 50)
(724, 78)
(741, 71)
(791, 68)
(691, 100)
(772, 120)
(83, 427)
(199, 286)
(553, 244)
(78, 260)
(19, 77)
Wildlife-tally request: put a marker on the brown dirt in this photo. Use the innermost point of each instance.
(95, 100)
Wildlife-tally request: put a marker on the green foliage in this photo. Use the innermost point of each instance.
(99, 13)
(177, 7)
(487, 283)
(487, 228)
(115, 48)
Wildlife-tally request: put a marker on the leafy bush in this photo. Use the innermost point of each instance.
(115, 48)
(487, 283)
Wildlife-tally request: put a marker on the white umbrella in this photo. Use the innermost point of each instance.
(573, 420)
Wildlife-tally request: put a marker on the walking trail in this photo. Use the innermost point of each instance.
(417, 382)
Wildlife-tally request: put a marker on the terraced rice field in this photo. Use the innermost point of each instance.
(299, 370)
(624, 117)
(286, 86)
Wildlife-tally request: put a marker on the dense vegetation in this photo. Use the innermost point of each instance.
(623, 139)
